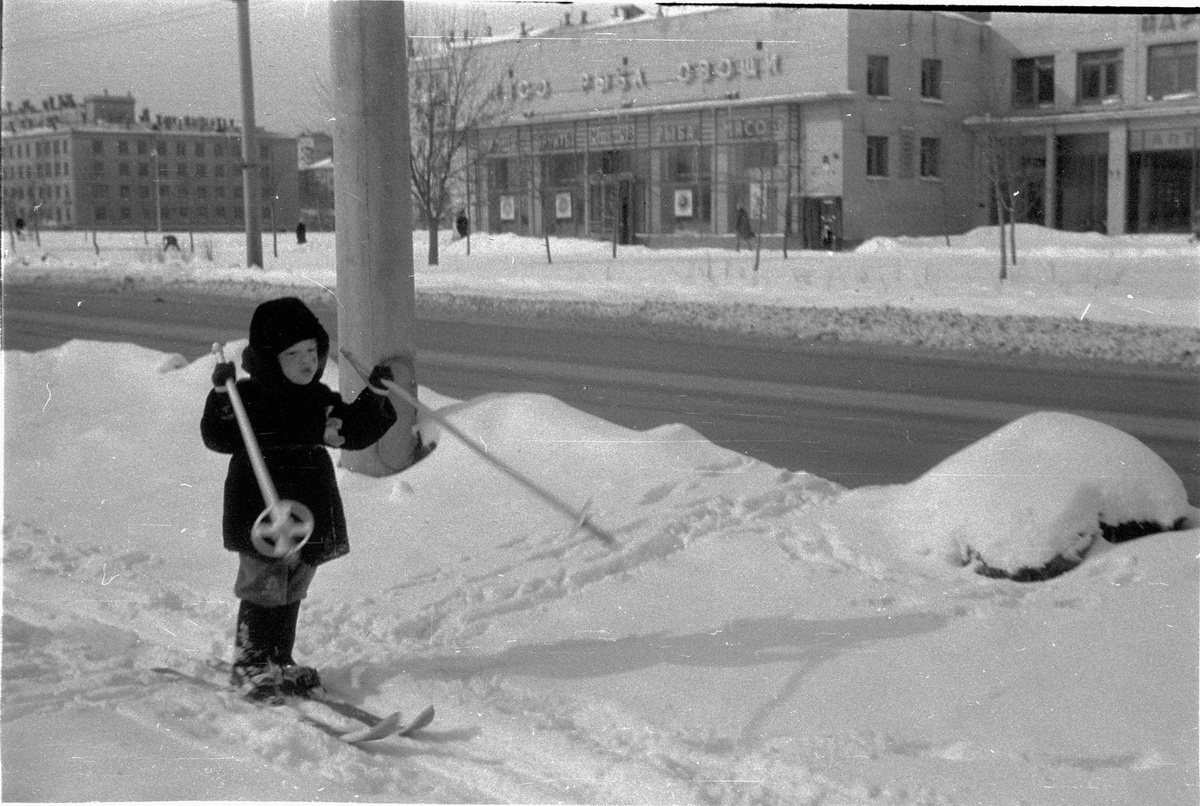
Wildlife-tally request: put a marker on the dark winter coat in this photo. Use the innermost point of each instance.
(289, 422)
(742, 225)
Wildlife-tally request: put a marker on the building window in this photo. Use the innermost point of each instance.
(877, 156)
(199, 149)
(123, 169)
(877, 75)
(931, 78)
(1099, 76)
(122, 146)
(101, 214)
(143, 169)
(218, 170)
(143, 147)
(1171, 70)
(97, 169)
(97, 146)
(181, 149)
(1033, 81)
(931, 157)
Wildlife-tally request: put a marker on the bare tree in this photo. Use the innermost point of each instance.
(452, 94)
(1012, 175)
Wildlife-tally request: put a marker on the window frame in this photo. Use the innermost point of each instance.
(1098, 66)
(877, 76)
(1039, 71)
(931, 79)
(1154, 66)
(930, 159)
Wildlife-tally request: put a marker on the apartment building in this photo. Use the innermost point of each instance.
(95, 165)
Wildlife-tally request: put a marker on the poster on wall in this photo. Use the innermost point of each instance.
(562, 205)
(508, 208)
(683, 203)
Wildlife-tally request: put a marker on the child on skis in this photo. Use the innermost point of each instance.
(294, 417)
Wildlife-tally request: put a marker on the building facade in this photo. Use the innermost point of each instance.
(96, 165)
(837, 125)
(1102, 112)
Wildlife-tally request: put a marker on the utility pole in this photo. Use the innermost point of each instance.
(373, 197)
(251, 191)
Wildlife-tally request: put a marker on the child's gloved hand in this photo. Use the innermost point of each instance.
(222, 372)
(381, 373)
(333, 427)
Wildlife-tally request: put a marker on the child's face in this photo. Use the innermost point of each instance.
(300, 361)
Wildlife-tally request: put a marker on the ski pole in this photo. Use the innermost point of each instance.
(283, 528)
(580, 517)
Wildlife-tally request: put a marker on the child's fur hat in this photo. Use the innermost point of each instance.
(276, 325)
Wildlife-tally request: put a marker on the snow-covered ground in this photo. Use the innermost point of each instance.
(760, 636)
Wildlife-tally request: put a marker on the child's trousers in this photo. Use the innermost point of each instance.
(270, 593)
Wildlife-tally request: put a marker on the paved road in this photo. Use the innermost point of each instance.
(851, 414)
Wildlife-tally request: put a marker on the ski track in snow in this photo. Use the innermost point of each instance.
(539, 698)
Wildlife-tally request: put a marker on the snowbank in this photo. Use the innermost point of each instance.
(1078, 295)
(760, 636)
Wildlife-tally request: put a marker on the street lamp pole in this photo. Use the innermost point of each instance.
(157, 197)
(251, 192)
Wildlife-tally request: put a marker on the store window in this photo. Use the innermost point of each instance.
(1099, 76)
(877, 156)
(1033, 81)
(931, 157)
(1171, 70)
(877, 75)
(931, 78)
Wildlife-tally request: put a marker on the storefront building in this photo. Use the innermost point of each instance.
(1106, 110)
(833, 126)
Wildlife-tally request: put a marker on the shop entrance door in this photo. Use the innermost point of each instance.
(822, 223)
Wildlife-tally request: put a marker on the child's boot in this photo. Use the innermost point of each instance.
(297, 681)
(254, 673)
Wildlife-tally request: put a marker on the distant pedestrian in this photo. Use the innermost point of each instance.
(742, 228)
(170, 242)
(19, 226)
(462, 224)
(301, 233)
